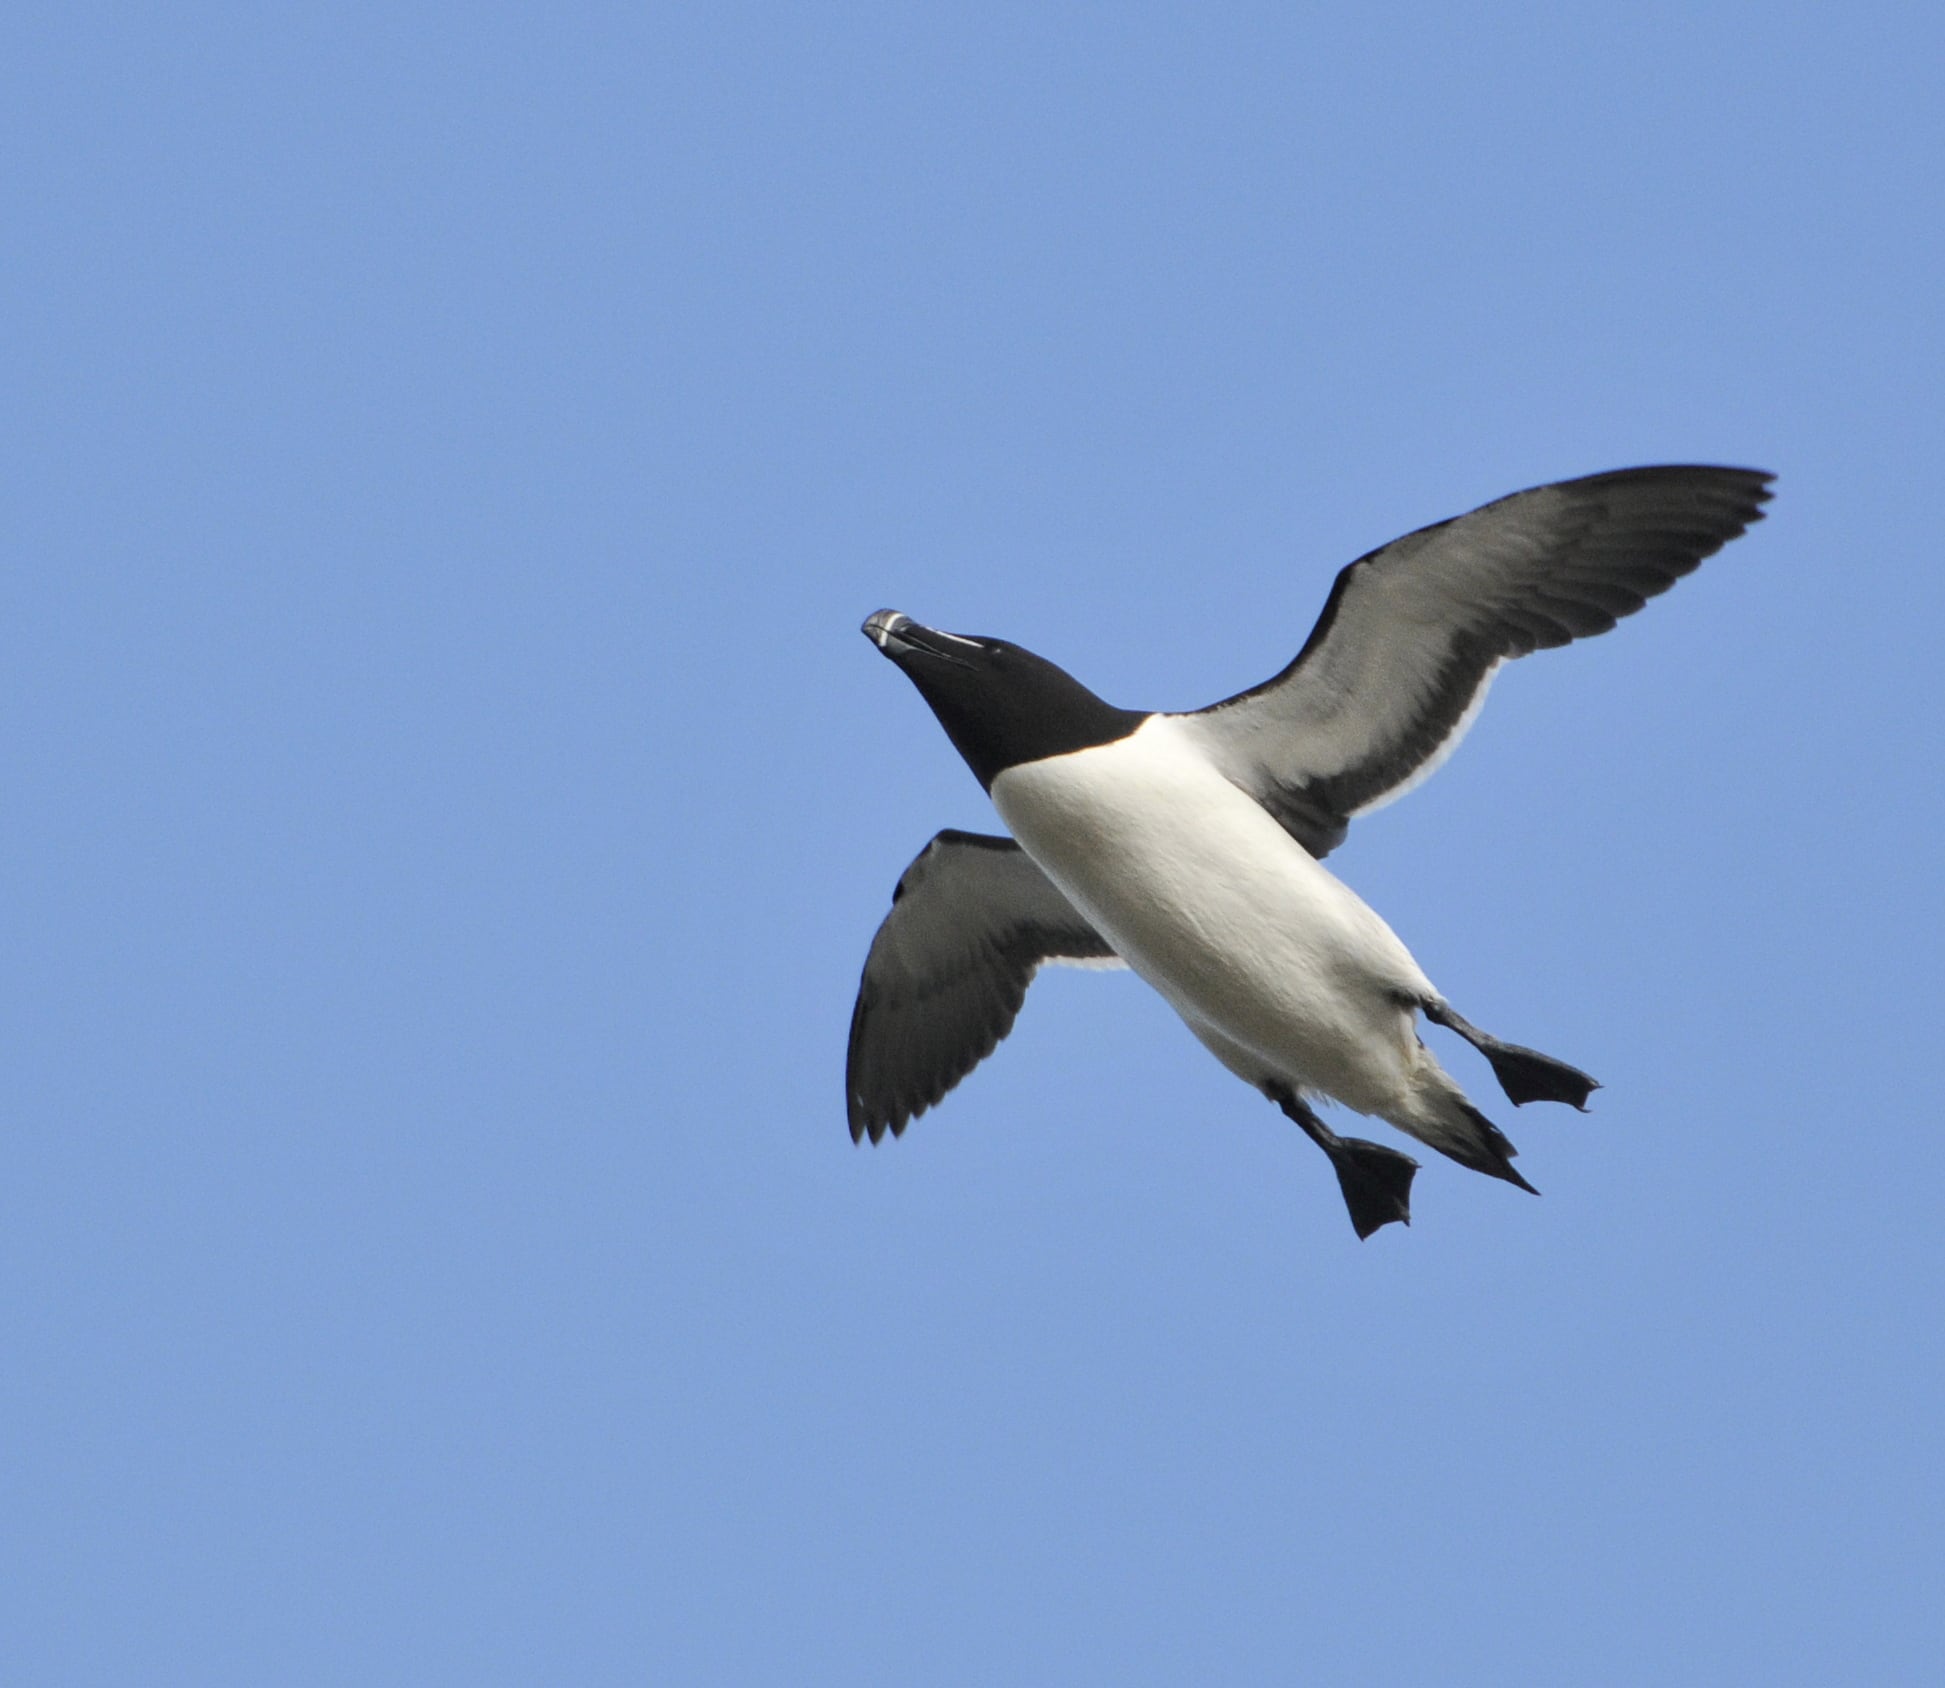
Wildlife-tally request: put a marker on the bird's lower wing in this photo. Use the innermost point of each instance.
(971, 922)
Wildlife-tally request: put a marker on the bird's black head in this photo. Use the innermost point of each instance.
(999, 705)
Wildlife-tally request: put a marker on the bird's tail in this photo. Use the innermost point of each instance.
(1441, 1118)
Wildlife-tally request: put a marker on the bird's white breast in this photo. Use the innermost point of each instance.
(1217, 907)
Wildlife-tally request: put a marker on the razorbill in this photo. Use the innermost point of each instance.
(1189, 846)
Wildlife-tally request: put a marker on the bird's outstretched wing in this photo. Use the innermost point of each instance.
(971, 922)
(1398, 663)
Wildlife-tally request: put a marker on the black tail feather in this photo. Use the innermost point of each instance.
(1488, 1151)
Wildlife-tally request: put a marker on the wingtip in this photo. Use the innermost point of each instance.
(866, 1125)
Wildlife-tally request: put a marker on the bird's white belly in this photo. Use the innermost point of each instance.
(1229, 918)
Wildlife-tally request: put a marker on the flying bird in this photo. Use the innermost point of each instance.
(1189, 847)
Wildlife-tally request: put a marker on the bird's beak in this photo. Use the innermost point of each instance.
(883, 629)
(901, 638)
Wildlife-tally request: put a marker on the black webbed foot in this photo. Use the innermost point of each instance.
(1376, 1181)
(1524, 1074)
(1528, 1076)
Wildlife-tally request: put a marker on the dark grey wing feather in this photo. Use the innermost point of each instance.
(1411, 634)
(971, 922)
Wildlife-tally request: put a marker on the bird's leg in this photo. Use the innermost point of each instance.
(1524, 1074)
(1376, 1181)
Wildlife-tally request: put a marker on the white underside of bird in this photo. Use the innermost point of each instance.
(1282, 971)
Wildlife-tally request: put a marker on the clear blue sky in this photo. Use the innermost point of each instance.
(448, 453)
